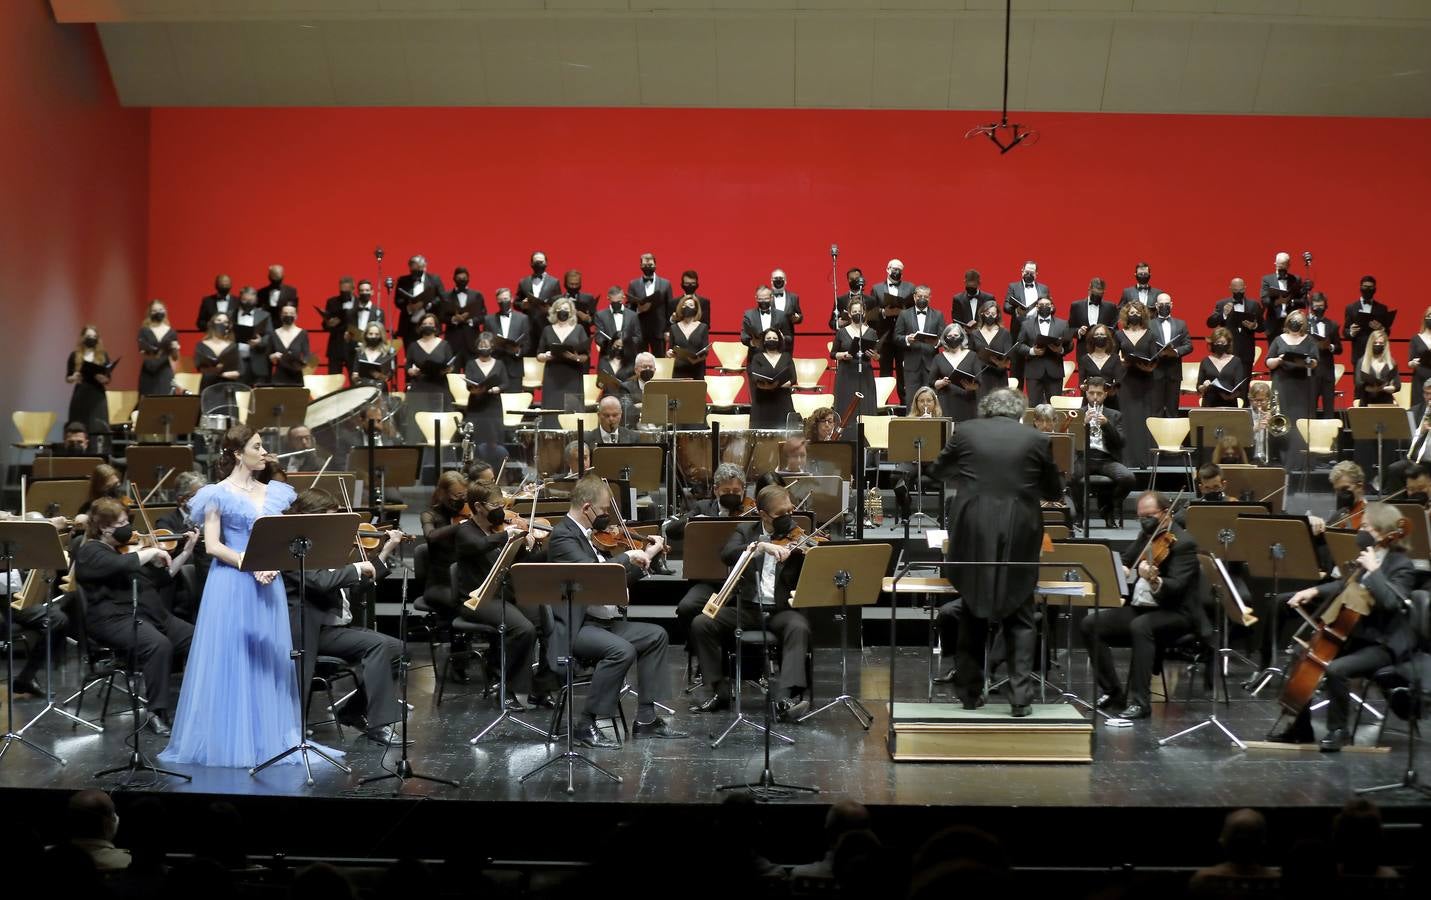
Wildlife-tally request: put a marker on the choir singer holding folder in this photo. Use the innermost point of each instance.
(917, 330)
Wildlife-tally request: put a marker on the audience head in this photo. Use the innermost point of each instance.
(1356, 837)
(1244, 837)
(321, 881)
(90, 815)
(845, 815)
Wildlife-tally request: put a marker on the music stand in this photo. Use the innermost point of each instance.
(294, 543)
(706, 537)
(385, 467)
(1418, 537)
(57, 498)
(549, 584)
(1207, 523)
(1212, 424)
(49, 467)
(764, 456)
(835, 457)
(842, 575)
(1097, 568)
(1220, 582)
(490, 591)
(1284, 549)
(640, 465)
(146, 464)
(166, 416)
(1342, 545)
(828, 494)
(1379, 423)
(671, 403)
(915, 440)
(1257, 484)
(26, 545)
(277, 407)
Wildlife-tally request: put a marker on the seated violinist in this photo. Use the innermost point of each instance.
(106, 573)
(328, 613)
(1349, 487)
(1382, 636)
(762, 600)
(729, 500)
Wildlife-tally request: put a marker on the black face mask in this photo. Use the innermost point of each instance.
(764, 304)
(496, 516)
(123, 533)
(504, 305)
(1346, 499)
(427, 330)
(731, 502)
(772, 345)
(1164, 311)
(539, 268)
(648, 270)
(373, 341)
(1135, 320)
(991, 316)
(954, 341)
(1148, 523)
(157, 316)
(1099, 342)
(112, 493)
(563, 315)
(921, 304)
(1294, 327)
(777, 283)
(288, 320)
(1214, 497)
(857, 317)
(484, 352)
(365, 299)
(1045, 312)
(456, 505)
(1426, 322)
(689, 289)
(1143, 277)
(91, 342)
(647, 375)
(221, 328)
(601, 522)
(1028, 279)
(1319, 311)
(782, 525)
(1219, 349)
(688, 312)
(1095, 298)
(855, 287)
(1238, 295)
(1368, 293)
(1378, 349)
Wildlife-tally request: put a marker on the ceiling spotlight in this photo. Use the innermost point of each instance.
(1013, 133)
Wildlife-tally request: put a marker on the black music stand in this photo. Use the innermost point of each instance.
(146, 464)
(49, 467)
(1215, 525)
(386, 467)
(1212, 424)
(294, 543)
(672, 404)
(490, 591)
(166, 416)
(916, 440)
(639, 467)
(1257, 484)
(26, 545)
(827, 494)
(730, 585)
(1093, 570)
(338, 484)
(1285, 550)
(1418, 537)
(842, 575)
(277, 407)
(62, 497)
(547, 584)
(1380, 423)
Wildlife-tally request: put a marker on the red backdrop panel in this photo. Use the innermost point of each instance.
(733, 193)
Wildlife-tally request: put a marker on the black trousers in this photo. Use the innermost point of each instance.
(1100, 463)
(373, 657)
(1143, 629)
(160, 647)
(1324, 404)
(1166, 397)
(692, 602)
(791, 628)
(1360, 659)
(1041, 389)
(33, 621)
(1019, 638)
(614, 646)
(521, 638)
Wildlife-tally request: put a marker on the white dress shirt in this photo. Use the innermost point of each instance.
(599, 612)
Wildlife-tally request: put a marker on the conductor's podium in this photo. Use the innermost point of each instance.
(947, 732)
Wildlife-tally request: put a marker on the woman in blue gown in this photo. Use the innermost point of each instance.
(239, 702)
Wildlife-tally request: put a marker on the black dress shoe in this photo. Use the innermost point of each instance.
(1111, 701)
(1021, 710)
(659, 567)
(156, 725)
(712, 704)
(976, 703)
(1334, 741)
(1135, 711)
(541, 701)
(657, 728)
(589, 736)
(515, 705)
(791, 708)
(945, 677)
(26, 688)
(386, 735)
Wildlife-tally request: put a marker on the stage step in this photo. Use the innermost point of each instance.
(946, 732)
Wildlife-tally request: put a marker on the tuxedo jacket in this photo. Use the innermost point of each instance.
(750, 328)
(1244, 339)
(463, 338)
(531, 298)
(908, 323)
(964, 308)
(842, 303)
(787, 573)
(1130, 294)
(520, 331)
(567, 544)
(792, 308)
(209, 306)
(1181, 342)
(660, 299)
(1050, 364)
(1326, 370)
(1379, 311)
(1271, 292)
(629, 334)
(286, 294)
(1113, 434)
(1013, 298)
(903, 299)
(432, 290)
(1078, 317)
(257, 369)
(337, 335)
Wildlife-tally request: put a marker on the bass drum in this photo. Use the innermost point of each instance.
(693, 454)
(544, 449)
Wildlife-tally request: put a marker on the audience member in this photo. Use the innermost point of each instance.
(1244, 842)
(92, 823)
(1357, 842)
(845, 816)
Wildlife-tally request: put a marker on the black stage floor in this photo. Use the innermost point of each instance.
(1195, 780)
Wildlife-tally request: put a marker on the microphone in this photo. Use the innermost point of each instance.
(388, 284)
(834, 251)
(1307, 257)
(378, 251)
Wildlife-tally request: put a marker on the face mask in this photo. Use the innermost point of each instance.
(1294, 326)
(601, 522)
(373, 340)
(461, 285)
(1135, 320)
(1368, 293)
(1238, 295)
(920, 303)
(894, 277)
(365, 299)
(1095, 298)
(484, 352)
(648, 269)
(1219, 349)
(1028, 278)
(496, 516)
(731, 502)
(427, 330)
(954, 341)
(123, 533)
(1148, 523)
(648, 374)
(1045, 311)
(1319, 311)
(991, 316)
(504, 304)
(91, 342)
(1214, 496)
(1345, 499)
(1364, 540)
(782, 525)
(857, 317)
(772, 344)
(1426, 322)
(456, 505)
(573, 290)
(157, 315)
(221, 328)
(777, 283)
(287, 320)
(688, 312)
(854, 287)
(764, 304)
(1164, 311)
(1100, 342)
(539, 268)
(1142, 277)
(564, 315)
(1378, 349)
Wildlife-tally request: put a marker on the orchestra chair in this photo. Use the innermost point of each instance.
(590, 390)
(1320, 435)
(806, 404)
(441, 426)
(512, 406)
(1256, 356)
(188, 382)
(473, 631)
(1014, 384)
(877, 433)
(1189, 382)
(1399, 683)
(730, 421)
(1069, 368)
(721, 390)
(1403, 395)
(1168, 437)
(34, 428)
(427, 618)
(580, 678)
(102, 664)
(665, 368)
(808, 373)
(323, 385)
(884, 390)
(241, 399)
(730, 356)
(532, 371)
(121, 406)
(1198, 657)
(1338, 369)
(328, 671)
(457, 387)
(568, 421)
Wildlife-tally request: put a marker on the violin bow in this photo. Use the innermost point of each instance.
(155, 489)
(347, 501)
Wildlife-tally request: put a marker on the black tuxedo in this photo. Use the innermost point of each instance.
(1043, 374)
(917, 360)
(902, 298)
(1078, 317)
(656, 321)
(338, 349)
(286, 294)
(210, 305)
(891, 354)
(613, 644)
(751, 329)
(620, 363)
(1379, 311)
(462, 336)
(792, 308)
(842, 303)
(371, 654)
(1244, 338)
(535, 300)
(1419, 452)
(1271, 292)
(964, 309)
(431, 298)
(1168, 376)
(520, 331)
(624, 435)
(1013, 300)
(256, 369)
(105, 575)
(1106, 462)
(1131, 293)
(1325, 374)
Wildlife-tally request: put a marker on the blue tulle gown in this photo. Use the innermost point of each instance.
(239, 701)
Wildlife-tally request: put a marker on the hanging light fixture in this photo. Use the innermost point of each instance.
(1005, 135)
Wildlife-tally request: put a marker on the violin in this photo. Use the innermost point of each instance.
(798, 539)
(371, 537)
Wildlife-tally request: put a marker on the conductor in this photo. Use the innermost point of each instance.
(999, 469)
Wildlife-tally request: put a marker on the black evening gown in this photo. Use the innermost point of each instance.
(562, 386)
(991, 378)
(434, 365)
(484, 410)
(1136, 401)
(1420, 372)
(699, 340)
(286, 373)
(1293, 388)
(366, 377)
(1376, 375)
(1231, 374)
(1111, 370)
(88, 401)
(853, 375)
(770, 408)
(204, 355)
(957, 402)
(156, 374)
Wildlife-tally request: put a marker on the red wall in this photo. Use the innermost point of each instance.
(74, 192)
(735, 192)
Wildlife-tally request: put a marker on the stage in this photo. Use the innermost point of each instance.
(1127, 799)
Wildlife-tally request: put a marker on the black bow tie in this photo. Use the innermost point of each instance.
(648, 278)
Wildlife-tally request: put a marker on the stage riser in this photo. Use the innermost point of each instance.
(945, 732)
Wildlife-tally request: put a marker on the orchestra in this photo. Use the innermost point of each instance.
(1273, 359)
